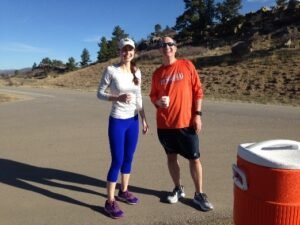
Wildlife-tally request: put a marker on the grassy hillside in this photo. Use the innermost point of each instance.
(270, 73)
(264, 76)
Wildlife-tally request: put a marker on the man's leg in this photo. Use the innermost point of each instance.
(196, 172)
(174, 169)
(200, 198)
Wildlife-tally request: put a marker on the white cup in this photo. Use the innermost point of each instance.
(166, 100)
(132, 98)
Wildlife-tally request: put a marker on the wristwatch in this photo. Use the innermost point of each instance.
(198, 113)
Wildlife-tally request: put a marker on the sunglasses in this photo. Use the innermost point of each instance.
(170, 44)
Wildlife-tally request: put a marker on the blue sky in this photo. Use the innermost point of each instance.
(31, 30)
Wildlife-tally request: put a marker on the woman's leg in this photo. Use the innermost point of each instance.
(110, 187)
(131, 140)
(116, 133)
(124, 181)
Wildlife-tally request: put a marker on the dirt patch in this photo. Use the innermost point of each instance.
(8, 98)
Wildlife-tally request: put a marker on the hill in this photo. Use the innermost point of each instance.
(12, 72)
(268, 73)
(264, 76)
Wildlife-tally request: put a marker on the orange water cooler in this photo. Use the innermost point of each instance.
(267, 183)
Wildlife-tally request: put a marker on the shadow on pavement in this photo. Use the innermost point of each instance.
(189, 202)
(19, 175)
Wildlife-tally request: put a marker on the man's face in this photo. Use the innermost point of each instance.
(168, 47)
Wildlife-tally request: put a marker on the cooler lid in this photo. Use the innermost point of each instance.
(284, 154)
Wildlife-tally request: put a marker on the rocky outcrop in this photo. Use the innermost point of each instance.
(241, 48)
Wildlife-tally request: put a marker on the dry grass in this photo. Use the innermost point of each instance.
(264, 76)
(7, 98)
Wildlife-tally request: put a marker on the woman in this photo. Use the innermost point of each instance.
(124, 81)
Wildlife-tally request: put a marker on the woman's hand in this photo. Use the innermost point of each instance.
(145, 126)
(126, 98)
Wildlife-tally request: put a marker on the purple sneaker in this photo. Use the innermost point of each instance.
(113, 210)
(127, 197)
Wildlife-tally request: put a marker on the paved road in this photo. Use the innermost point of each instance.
(54, 158)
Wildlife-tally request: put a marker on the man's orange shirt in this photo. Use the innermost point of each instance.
(180, 81)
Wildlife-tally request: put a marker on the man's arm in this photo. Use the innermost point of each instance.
(197, 122)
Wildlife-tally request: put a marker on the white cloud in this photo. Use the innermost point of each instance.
(20, 47)
(92, 39)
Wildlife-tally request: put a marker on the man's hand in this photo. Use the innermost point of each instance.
(197, 123)
(163, 102)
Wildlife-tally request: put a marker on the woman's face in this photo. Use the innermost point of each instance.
(127, 53)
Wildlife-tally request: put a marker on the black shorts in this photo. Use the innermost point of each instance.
(183, 141)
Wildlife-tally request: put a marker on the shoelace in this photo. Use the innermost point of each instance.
(207, 203)
(175, 191)
(204, 196)
(128, 194)
(114, 206)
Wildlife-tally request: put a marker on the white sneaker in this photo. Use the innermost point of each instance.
(177, 193)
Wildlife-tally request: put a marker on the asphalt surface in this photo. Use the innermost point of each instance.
(54, 157)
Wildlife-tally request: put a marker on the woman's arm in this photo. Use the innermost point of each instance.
(144, 121)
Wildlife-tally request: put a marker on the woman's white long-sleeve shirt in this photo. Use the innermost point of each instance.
(120, 82)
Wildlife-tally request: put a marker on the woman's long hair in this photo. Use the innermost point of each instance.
(133, 69)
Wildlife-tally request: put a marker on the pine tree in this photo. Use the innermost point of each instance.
(34, 66)
(57, 63)
(118, 34)
(46, 65)
(281, 3)
(109, 48)
(157, 29)
(292, 4)
(71, 64)
(85, 58)
(45, 62)
(103, 53)
(197, 16)
(227, 10)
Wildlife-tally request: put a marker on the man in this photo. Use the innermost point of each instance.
(177, 94)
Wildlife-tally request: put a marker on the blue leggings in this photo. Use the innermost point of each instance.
(123, 138)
